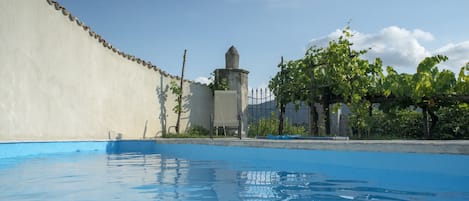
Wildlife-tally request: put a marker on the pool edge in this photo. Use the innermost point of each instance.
(405, 146)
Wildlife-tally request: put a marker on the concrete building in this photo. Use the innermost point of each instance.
(59, 80)
(237, 81)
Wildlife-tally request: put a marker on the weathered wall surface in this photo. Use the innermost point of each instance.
(238, 81)
(61, 81)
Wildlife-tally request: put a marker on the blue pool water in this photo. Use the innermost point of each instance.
(144, 170)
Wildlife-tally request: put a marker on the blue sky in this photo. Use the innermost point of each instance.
(401, 32)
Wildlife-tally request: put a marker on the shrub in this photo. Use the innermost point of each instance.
(266, 126)
(453, 123)
(198, 130)
(191, 132)
(408, 124)
(401, 124)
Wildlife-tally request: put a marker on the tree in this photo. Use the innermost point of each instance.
(429, 84)
(328, 75)
(286, 86)
(462, 84)
(428, 89)
(343, 74)
(177, 90)
(338, 74)
(281, 101)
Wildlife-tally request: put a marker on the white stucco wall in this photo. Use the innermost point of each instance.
(58, 81)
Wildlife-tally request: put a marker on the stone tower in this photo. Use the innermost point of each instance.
(238, 81)
(232, 58)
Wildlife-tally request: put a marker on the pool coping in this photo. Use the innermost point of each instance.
(460, 147)
(52, 141)
(406, 146)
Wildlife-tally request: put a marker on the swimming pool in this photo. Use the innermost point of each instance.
(145, 170)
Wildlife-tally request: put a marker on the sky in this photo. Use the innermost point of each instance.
(400, 32)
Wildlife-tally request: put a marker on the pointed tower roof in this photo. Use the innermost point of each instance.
(232, 58)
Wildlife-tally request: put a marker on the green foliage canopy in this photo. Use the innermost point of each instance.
(340, 72)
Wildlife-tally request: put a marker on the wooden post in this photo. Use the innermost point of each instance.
(426, 129)
(180, 95)
(326, 111)
(282, 104)
(313, 114)
(211, 126)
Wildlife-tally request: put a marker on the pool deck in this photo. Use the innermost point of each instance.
(407, 146)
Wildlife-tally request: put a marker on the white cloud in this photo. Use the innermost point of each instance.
(203, 80)
(402, 48)
(417, 33)
(458, 55)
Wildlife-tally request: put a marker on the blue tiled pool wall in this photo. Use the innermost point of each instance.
(420, 170)
(451, 164)
(10, 150)
(19, 149)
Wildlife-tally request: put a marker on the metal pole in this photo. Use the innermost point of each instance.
(257, 113)
(262, 109)
(252, 111)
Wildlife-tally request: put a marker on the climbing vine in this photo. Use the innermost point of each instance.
(217, 83)
(177, 91)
